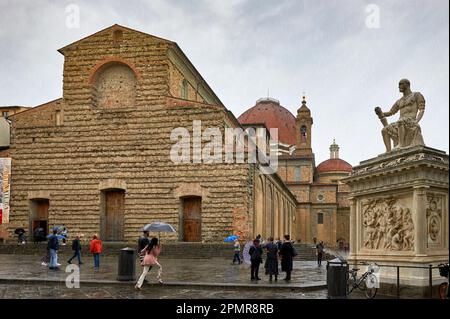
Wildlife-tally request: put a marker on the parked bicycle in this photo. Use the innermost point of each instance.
(443, 288)
(368, 282)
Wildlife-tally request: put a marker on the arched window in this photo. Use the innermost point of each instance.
(184, 89)
(114, 86)
(303, 133)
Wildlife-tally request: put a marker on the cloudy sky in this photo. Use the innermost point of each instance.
(347, 55)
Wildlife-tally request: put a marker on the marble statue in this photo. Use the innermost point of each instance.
(406, 131)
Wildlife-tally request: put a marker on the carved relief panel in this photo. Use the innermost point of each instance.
(387, 224)
(435, 215)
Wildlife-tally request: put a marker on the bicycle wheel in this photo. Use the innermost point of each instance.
(369, 285)
(350, 285)
(443, 290)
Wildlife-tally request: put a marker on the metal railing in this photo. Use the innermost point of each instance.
(430, 275)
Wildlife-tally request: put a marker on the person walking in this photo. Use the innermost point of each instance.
(287, 253)
(143, 241)
(237, 251)
(152, 251)
(255, 259)
(76, 247)
(96, 250)
(45, 260)
(271, 265)
(21, 238)
(319, 247)
(64, 234)
(53, 246)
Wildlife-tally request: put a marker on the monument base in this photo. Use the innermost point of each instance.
(399, 216)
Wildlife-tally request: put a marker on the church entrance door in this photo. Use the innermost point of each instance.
(192, 229)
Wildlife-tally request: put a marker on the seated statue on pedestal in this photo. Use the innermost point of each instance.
(406, 131)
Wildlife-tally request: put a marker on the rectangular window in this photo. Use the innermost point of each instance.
(320, 218)
(5, 114)
(58, 118)
(297, 174)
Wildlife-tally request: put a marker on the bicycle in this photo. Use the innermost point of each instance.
(443, 288)
(367, 282)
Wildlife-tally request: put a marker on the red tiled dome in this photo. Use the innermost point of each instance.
(334, 165)
(273, 115)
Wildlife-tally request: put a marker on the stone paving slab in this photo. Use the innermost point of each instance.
(203, 272)
(60, 291)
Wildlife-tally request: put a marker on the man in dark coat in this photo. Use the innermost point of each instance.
(256, 259)
(272, 259)
(143, 241)
(287, 253)
(53, 246)
(76, 247)
(319, 247)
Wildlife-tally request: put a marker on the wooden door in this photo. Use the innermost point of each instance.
(39, 216)
(42, 210)
(192, 231)
(114, 207)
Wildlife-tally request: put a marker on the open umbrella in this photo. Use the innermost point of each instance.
(231, 238)
(246, 254)
(159, 227)
(57, 236)
(19, 230)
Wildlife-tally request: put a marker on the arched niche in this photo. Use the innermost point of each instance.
(114, 86)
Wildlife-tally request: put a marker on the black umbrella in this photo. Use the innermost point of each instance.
(19, 231)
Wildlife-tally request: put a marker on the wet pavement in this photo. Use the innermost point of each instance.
(60, 291)
(23, 276)
(213, 271)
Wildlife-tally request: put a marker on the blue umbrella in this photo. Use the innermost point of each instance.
(230, 238)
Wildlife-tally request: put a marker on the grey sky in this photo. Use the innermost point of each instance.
(243, 48)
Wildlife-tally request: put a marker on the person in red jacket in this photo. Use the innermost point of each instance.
(96, 249)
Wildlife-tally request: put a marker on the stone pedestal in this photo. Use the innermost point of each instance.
(399, 213)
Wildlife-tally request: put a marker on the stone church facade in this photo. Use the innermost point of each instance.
(97, 160)
(322, 212)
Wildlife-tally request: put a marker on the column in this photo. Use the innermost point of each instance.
(353, 226)
(420, 218)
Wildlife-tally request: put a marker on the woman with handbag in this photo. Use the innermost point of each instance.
(152, 252)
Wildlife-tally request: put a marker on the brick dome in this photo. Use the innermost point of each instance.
(273, 115)
(334, 165)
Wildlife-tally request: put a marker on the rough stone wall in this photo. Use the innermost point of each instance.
(130, 146)
(175, 83)
(40, 116)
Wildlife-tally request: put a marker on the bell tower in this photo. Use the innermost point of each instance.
(303, 128)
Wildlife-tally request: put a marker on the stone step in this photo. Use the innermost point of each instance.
(186, 250)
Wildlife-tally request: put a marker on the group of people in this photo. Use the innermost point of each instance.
(51, 257)
(274, 251)
(150, 249)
